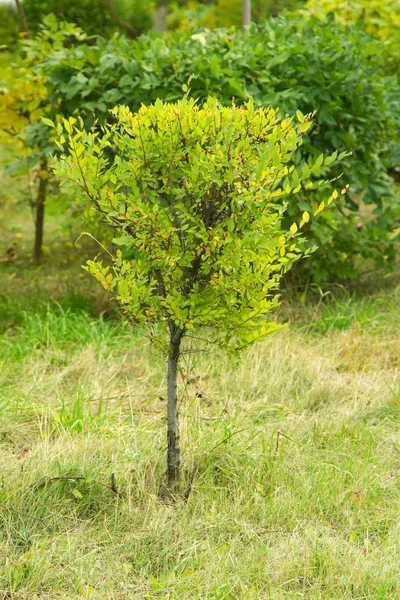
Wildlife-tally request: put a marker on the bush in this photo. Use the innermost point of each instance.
(288, 64)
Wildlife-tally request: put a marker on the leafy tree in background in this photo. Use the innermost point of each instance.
(23, 102)
(196, 196)
(95, 17)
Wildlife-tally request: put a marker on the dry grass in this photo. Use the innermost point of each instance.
(297, 492)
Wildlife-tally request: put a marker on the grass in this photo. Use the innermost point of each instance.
(297, 491)
(298, 449)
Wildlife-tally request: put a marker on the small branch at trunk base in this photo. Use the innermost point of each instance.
(43, 482)
(191, 481)
(114, 484)
(278, 436)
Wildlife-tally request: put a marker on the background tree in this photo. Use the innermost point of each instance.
(23, 102)
(97, 17)
(196, 196)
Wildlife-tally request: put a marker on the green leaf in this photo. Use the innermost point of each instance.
(48, 122)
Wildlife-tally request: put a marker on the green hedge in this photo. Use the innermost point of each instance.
(286, 63)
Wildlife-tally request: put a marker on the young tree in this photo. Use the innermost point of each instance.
(24, 101)
(22, 104)
(196, 196)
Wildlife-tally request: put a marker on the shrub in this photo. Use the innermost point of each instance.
(195, 196)
(288, 64)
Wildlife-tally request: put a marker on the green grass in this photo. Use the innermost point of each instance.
(297, 492)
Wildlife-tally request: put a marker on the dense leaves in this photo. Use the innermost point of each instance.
(290, 64)
(381, 18)
(196, 196)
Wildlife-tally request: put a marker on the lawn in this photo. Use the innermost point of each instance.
(297, 490)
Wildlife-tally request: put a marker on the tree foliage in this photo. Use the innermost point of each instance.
(197, 194)
(380, 18)
(289, 64)
(23, 102)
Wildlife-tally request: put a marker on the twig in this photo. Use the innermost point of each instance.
(281, 434)
(47, 480)
(226, 439)
(191, 480)
(133, 32)
(114, 484)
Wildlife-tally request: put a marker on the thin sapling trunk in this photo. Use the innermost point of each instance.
(39, 211)
(22, 16)
(160, 16)
(174, 451)
(246, 15)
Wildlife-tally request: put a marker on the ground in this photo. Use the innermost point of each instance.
(298, 447)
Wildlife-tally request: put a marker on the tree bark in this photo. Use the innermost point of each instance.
(160, 16)
(246, 15)
(174, 451)
(22, 16)
(39, 211)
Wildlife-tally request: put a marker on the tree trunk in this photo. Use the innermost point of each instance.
(160, 16)
(246, 14)
(129, 28)
(174, 451)
(39, 211)
(22, 16)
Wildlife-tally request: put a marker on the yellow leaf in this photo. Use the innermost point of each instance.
(320, 208)
(293, 228)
